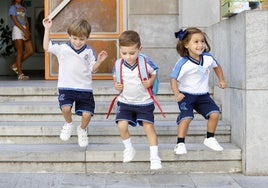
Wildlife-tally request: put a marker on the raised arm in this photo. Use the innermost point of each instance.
(47, 25)
(101, 57)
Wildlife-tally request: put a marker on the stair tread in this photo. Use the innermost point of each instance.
(30, 143)
(104, 128)
(110, 152)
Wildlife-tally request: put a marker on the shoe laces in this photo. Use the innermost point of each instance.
(66, 128)
(83, 134)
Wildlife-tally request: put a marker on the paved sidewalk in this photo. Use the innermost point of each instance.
(197, 180)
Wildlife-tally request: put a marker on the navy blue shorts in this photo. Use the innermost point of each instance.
(84, 101)
(135, 114)
(203, 104)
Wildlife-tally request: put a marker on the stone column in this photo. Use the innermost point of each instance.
(241, 45)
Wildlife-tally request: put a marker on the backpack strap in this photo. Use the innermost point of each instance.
(142, 66)
(144, 75)
(118, 70)
(118, 77)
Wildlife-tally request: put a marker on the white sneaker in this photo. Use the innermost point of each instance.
(82, 136)
(66, 131)
(212, 143)
(155, 163)
(129, 154)
(180, 149)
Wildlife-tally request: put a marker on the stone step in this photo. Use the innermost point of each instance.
(47, 91)
(102, 132)
(47, 107)
(31, 122)
(49, 88)
(44, 110)
(107, 158)
(37, 101)
(54, 98)
(58, 117)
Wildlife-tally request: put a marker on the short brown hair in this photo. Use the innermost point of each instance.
(14, 1)
(181, 43)
(129, 38)
(79, 28)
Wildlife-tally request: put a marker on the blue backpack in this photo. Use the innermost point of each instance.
(144, 75)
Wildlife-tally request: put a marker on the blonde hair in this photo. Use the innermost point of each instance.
(79, 28)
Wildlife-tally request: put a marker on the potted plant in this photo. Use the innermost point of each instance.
(6, 43)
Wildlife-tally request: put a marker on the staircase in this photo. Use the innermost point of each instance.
(30, 123)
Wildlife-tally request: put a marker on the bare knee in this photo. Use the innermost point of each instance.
(86, 115)
(66, 109)
(29, 48)
(122, 125)
(214, 116)
(148, 128)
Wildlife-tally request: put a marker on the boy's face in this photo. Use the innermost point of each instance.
(78, 42)
(130, 53)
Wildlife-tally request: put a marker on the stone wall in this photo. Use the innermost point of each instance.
(157, 20)
(241, 44)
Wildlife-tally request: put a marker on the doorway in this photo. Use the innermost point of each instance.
(105, 18)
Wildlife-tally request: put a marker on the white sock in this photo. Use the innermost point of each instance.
(127, 143)
(81, 129)
(154, 152)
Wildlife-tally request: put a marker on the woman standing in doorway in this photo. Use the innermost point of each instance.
(21, 36)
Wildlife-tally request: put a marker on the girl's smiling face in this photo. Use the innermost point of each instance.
(196, 45)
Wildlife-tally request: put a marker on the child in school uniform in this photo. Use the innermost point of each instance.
(189, 83)
(77, 62)
(135, 105)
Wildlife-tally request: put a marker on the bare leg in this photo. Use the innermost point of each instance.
(86, 117)
(123, 130)
(29, 50)
(22, 46)
(20, 49)
(212, 122)
(150, 133)
(183, 128)
(67, 114)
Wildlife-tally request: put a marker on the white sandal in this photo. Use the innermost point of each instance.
(23, 77)
(15, 69)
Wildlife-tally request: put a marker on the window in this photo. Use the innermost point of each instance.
(105, 17)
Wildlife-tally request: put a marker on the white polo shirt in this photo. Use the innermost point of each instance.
(75, 66)
(134, 92)
(193, 77)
